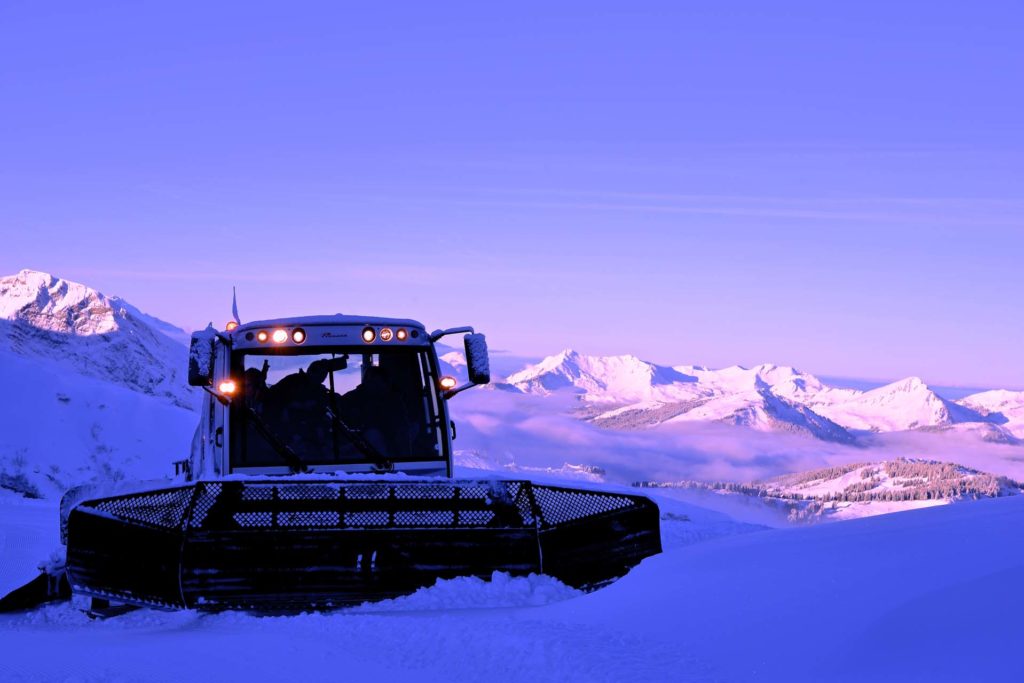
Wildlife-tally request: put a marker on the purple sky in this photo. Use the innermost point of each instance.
(841, 189)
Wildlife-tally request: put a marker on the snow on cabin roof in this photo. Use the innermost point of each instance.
(336, 319)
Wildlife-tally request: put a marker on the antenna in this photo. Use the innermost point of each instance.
(234, 305)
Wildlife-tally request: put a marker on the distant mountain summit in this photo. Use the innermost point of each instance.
(603, 378)
(74, 327)
(625, 392)
(906, 404)
(999, 407)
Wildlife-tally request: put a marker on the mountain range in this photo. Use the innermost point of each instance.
(95, 388)
(625, 392)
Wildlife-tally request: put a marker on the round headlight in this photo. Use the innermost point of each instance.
(369, 334)
(386, 334)
(262, 336)
(401, 334)
(298, 335)
(280, 336)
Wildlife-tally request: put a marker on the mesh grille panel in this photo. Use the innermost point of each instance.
(424, 491)
(257, 492)
(204, 501)
(372, 518)
(317, 518)
(339, 504)
(425, 518)
(558, 506)
(367, 491)
(307, 492)
(522, 498)
(474, 492)
(254, 519)
(475, 517)
(164, 509)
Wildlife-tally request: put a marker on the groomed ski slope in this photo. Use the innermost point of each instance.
(925, 595)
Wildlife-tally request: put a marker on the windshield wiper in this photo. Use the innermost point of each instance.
(356, 438)
(293, 461)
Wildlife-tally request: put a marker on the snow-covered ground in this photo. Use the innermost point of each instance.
(739, 593)
(65, 429)
(29, 533)
(927, 595)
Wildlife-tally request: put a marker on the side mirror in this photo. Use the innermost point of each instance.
(200, 357)
(477, 362)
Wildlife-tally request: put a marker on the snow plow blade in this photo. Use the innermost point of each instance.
(39, 591)
(281, 547)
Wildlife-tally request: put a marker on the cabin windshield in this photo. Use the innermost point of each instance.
(336, 406)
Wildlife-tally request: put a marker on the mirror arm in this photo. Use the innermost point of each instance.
(221, 398)
(437, 334)
(457, 390)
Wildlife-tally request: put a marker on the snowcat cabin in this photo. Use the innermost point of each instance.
(326, 395)
(335, 407)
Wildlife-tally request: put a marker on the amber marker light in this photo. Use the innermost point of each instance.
(298, 335)
(401, 334)
(386, 334)
(447, 383)
(231, 325)
(369, 335)
(262, 336)
(228, 387)
(279, 336)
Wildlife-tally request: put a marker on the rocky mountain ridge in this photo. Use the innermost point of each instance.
(74, 327)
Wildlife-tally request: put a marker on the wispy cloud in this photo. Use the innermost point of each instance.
(922, 211)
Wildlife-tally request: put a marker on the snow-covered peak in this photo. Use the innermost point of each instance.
(457, 359)
(763, 410)
(50, 303)
(566, 358)
(906, 404)
(76, 329)
(621, 379)
(995, 400)
(907, 385)
(782, 379)
(1001, 407)
(896, 392)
